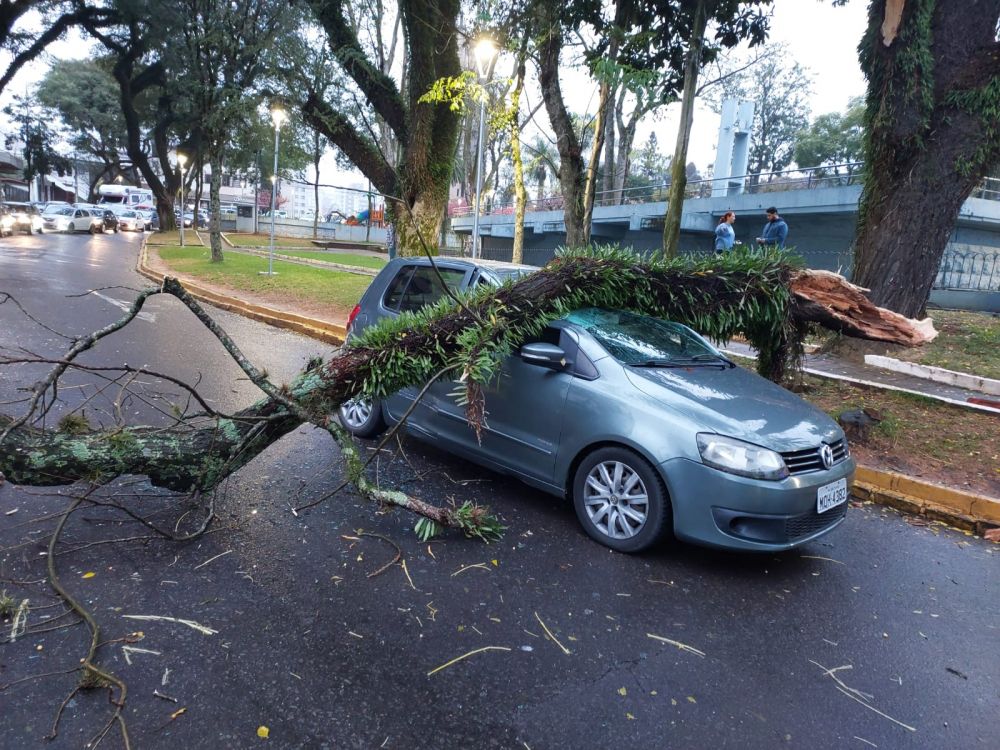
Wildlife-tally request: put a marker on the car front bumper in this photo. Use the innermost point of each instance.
(717, 509)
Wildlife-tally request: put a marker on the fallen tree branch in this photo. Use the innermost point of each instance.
(761, 297)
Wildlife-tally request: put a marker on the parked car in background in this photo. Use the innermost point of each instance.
(70, 219)
(26, 217)
(6, 221)
(643, 424)
(149, 216)
(110, 220)
(130, 221)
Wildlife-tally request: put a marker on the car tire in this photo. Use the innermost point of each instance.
(620, 500)
(71, 228)
(362, 417)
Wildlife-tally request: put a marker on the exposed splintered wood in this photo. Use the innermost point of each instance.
(761, 298)
(828, 299)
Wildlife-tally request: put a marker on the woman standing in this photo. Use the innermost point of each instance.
(725, 236)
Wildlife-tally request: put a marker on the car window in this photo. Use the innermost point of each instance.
(394, 293)
(425, 287)
(634, 339)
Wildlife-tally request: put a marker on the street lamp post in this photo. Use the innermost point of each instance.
(278, 116)
(486, 52)
(181, 161)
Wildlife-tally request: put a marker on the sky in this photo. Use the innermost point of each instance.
(819, 36)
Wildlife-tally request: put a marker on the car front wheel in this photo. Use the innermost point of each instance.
(71, 227)
(620, 500)
(362, 417)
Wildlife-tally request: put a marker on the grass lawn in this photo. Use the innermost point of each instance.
(296, 284)
(919, 436)
(968, 342)
(347, 259)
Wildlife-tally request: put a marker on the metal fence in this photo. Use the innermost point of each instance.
(968, 269)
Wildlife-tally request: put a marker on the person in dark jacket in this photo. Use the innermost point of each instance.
(775, 230)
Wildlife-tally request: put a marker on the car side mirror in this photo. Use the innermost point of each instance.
(544, 355)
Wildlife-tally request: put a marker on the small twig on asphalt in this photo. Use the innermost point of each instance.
(393, 561)
(857, 695)
(552, 637)
(467, 567)
(158, 694)
(190, 623)
(678, 644)
(221, 554)
(466, 656)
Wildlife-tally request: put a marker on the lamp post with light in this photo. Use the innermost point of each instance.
(278, 116)
(486, 52)
(181, 161)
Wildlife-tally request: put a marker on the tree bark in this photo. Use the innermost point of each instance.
(571, 177)
(215, 210)
(520, 192)
(931, 135)
(678, 167)
(427, 132)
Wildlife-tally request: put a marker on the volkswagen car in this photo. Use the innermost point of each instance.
(643, 424)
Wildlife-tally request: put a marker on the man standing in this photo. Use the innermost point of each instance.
(775, 230)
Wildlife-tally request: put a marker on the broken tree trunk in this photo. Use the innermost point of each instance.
(760, 297)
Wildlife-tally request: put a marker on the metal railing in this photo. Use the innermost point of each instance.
(968, 269)
(835, 175)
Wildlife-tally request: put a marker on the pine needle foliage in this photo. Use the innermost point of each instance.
(738, 294)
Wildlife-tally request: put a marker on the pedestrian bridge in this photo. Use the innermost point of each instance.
(820, 206)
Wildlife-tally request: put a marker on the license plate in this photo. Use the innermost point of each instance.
(831, 495)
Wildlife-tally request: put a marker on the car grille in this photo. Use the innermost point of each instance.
(813, 522)
(801, 462)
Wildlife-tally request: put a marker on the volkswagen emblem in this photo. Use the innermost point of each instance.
(826, 454)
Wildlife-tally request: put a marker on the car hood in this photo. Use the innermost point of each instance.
(737, 403)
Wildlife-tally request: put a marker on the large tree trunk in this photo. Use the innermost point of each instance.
(520, 192)
(931, 135)
(678, 167)
(215, 210)
(427, 132)
(571, 177)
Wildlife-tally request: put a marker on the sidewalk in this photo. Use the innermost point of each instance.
(969, 511)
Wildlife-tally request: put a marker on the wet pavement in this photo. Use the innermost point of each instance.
(565, 644)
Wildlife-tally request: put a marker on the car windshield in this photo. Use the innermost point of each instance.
(643, 341)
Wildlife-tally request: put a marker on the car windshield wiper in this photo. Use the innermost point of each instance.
(708, 359)
(659, 363)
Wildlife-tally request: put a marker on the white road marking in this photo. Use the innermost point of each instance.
(148, 317)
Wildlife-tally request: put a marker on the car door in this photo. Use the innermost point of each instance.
(524, 411)
(416, 286)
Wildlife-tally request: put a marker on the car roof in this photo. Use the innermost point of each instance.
(499, 266)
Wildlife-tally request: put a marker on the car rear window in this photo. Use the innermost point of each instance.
(417, 286)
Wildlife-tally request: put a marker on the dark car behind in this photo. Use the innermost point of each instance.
(110, 220)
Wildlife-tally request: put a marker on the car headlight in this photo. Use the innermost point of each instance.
(737, 457)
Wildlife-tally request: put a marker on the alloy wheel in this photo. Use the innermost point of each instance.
(356, 412)
(616, 499)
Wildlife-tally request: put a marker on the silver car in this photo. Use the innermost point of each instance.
(641, 422)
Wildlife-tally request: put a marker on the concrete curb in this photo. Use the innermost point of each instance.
(965, 510)
(936, 374)
(317, 329)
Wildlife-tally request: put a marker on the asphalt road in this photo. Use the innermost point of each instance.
(678, 648)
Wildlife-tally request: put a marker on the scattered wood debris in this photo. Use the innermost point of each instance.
(678, 644)
(466, 656)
